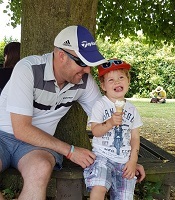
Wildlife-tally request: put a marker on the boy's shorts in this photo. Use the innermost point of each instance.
(104, 172)
(12, 150)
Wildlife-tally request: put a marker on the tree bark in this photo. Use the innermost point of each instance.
(41, 22)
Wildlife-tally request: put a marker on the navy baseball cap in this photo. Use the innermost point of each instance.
(80, 40)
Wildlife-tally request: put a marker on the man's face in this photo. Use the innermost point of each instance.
(69, 71)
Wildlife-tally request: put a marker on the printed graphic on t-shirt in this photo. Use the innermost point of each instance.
(118, 139)
(115, 144)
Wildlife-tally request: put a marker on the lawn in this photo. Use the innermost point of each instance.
(158, 123)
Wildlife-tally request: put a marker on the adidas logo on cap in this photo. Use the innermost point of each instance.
(67, 43)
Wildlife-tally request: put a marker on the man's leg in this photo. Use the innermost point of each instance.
(1, 197)
(36, 168)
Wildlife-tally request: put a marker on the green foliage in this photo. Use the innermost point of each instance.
(145, 190)
(116, 19)
(8, 193)
(13, 10)
(2, 45)
(124, 18)
(151, 65)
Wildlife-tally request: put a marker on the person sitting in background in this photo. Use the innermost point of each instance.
(158, 95)
(11, 57)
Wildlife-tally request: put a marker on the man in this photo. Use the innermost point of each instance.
(40, 92)
(158, 95)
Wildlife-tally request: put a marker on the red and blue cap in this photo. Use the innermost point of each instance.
(111, 65)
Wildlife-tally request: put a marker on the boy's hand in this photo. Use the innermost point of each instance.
(116, 119)
(129, 170)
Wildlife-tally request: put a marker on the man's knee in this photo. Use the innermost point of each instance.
(37, 166)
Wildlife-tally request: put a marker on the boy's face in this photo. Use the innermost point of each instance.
(116, 85)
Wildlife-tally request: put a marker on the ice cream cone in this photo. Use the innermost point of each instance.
(119, 105)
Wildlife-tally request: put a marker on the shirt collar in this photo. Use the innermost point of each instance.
(48, 72)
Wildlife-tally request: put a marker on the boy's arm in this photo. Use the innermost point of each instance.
(135, 144)
(131, 165)
(99, 129)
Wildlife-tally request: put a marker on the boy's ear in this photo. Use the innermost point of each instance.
(102, 86)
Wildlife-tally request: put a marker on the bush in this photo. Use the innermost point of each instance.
(151, 65)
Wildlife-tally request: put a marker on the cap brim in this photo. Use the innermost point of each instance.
(115, 67)
(92, 58)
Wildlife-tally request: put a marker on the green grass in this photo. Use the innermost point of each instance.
(158, 123)
(164, 111)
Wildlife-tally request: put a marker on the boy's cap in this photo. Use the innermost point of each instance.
(111, 65)
(80, 40)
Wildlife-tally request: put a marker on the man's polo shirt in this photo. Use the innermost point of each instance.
(33, 91)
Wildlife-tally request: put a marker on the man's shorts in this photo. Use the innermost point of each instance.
(104, 172)
(12, 150)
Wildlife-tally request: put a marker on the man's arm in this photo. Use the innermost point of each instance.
(25, 131)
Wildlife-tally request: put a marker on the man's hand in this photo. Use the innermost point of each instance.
(82, 157)
(140, 173)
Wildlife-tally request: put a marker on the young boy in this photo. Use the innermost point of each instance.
(115, 125)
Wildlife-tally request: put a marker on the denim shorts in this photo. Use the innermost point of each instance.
(12, 150)
(104, 172)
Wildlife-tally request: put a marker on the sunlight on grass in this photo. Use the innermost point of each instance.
(158, 123)
(156, 110)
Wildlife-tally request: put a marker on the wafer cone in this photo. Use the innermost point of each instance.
(119, 105)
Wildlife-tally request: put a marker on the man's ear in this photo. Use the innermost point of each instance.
(59, 54)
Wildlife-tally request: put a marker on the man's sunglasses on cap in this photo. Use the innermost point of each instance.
(77, 60)
(110, 62)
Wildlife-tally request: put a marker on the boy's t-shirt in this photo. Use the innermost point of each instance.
(115, 144)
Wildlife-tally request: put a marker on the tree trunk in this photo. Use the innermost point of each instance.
(41, 22)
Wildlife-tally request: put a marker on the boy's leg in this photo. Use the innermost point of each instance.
(98, 193)
(122, 188)
(98, 178)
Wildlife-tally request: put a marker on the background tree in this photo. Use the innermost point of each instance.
(122, 17)
(155, 18)
(151, 65)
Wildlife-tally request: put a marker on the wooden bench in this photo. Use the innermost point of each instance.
(159, 166)
(68, 183)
